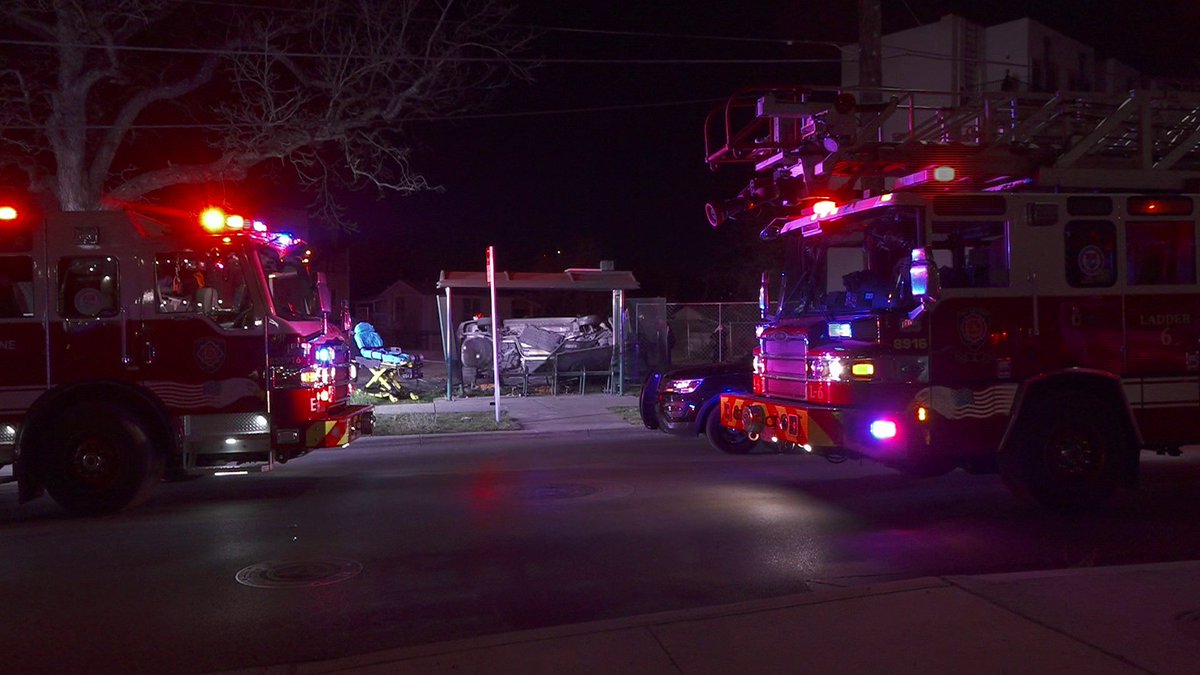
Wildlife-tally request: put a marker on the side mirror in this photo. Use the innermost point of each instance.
(923, 276)
(923, 280)
(323, 293)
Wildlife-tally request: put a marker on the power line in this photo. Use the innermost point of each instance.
(200, 51)
(442, 118)
(787, 42)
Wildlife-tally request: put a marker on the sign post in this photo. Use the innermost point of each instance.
(491, 280)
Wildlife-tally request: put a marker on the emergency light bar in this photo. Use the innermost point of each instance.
(810, 224)
(8, 213)
(215, 221)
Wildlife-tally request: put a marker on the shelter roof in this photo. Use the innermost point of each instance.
(568, 280)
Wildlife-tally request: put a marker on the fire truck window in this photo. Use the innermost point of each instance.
(16, 287)
(971, 254)
(88, 287)
(1089, 206)
(212, 283)
(1161, 252)
(1091, 258)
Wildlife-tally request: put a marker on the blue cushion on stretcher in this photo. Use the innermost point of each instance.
(370, 346)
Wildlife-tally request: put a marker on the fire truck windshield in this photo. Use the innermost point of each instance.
(213, 283)
(293, 290)
(853, 266)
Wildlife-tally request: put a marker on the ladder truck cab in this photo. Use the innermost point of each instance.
(135, 348)
(1006, 286)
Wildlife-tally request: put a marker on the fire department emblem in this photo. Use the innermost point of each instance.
(209, 354)
(973, 327)
(1091, 260)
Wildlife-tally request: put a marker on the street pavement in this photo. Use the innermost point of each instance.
(1129, 619)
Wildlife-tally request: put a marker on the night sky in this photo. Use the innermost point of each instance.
(605, 160)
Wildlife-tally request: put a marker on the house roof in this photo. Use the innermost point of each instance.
(569, 280)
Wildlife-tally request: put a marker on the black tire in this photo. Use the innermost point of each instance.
(100, 459)
(726, 440)
(1069, 453)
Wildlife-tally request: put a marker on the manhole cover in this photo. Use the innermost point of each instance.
(298, 573)
(1188, 623)
(558, 491)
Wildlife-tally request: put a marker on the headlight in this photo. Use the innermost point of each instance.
(682, 386)
(836, 369)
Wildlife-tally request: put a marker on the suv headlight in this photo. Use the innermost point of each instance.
(682, 386)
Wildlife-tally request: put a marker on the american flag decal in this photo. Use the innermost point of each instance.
(957, 404)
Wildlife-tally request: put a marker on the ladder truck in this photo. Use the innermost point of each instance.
(135, 348)
(1008, 285)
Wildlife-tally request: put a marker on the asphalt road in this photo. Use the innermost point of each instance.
(395, 542)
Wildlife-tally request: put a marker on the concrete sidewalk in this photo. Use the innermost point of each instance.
(1136, 619)
(537, 414)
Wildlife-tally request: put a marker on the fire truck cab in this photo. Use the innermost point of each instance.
(1010, 286)
(137, 347)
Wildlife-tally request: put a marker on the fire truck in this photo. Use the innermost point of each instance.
(1004, 285)
(135, 346)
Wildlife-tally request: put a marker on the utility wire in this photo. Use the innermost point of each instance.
(453, 59)
(442, 118)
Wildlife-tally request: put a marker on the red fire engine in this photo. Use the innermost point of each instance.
(134, 346)
(1008, 285)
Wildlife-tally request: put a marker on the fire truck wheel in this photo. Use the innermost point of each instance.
(726, 440)
(100, 459)
(1068, 456)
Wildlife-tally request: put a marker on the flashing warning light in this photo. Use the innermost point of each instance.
(259, 226)
(235, 222)
(8, 213)
(943, 174)
(883, 429)
(824, 208)
(212, 219)
(325, 355)
(922, 413)
(284, 240)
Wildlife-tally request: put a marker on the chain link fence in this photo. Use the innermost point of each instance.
(664, 334)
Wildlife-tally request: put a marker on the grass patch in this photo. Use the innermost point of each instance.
(406, 424)
(628, 413)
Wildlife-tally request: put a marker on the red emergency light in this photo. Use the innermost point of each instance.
(212, 219)
(8, 213)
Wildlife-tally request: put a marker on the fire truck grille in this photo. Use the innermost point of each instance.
(785, 370)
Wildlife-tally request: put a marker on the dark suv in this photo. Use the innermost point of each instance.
(683, 401)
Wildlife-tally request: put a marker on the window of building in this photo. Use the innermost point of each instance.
(16, 286)
(1091, 257)
(1161, 252)
(88, 287)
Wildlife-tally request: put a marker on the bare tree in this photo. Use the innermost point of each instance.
(109, 101)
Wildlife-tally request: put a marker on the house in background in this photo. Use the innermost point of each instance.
(953, 60)
(408, 318)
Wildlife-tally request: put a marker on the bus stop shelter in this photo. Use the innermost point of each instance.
(611, 281)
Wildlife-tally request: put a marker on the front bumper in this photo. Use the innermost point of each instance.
(677, 414)
(340, 429)
(821, 429)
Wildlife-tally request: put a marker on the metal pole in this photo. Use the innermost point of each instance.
(491, 277)
(449, 347)
(619, 334)
(720, 333)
